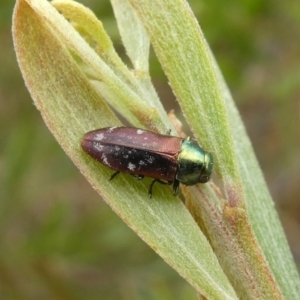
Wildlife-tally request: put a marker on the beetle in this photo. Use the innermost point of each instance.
(167, 159)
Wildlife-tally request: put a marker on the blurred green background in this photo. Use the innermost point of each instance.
(59, 240)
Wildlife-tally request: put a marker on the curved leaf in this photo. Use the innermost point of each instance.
(70, 106)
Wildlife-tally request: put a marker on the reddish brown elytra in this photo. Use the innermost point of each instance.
(167, 159)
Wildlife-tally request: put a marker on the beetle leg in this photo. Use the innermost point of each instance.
(175, 187)
(150, 188)
(152, 183)
(138, 177)
(113, 175)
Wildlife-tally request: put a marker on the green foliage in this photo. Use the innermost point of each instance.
(69, 245)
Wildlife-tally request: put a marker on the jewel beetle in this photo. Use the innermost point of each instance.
(167, 159)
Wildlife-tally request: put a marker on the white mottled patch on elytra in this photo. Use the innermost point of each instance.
(131, 167)
(125, 156)
(98, 146)
(151, 159)
(140, 131)
(117, 148)
(99, 136)
(104, 159)
(141, 163)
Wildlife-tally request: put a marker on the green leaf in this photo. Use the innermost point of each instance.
(262, 213)
(70, 106)
(208, 107)
(137, 45)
